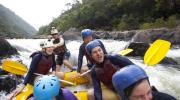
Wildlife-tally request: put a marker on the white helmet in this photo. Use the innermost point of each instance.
(46, 44)
(54, 31)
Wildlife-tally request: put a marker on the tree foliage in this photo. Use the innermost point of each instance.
(118, 15)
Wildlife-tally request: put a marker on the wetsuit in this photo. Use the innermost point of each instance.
(160, 96)
(40, 64)
(64, 94)
(103, 72)
(82, 52)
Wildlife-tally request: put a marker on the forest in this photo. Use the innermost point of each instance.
(118, 15)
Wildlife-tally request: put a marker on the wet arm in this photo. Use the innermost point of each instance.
(120, 60)
(80, 59)
(97, 86)
(32, 68)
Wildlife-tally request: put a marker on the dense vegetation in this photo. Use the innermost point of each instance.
(12, 26)
(118, 15)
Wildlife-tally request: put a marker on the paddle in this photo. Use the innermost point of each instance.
(59, 79)
(156, 52)
(14, 67)
(125, 52)
(17, 68)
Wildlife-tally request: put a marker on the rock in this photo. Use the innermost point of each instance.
(6, 49)
(168, 60)
(150, 35)
(9, 82)
(139, 48)
(116, 35)
(72, 34)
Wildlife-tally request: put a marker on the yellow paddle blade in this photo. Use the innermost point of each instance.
(125, 52)
(81, 95)
(14, 67)
(156, 52)
(27, 91)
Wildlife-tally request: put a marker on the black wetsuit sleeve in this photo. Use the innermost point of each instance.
(54, 63)
(32, 67)
(120, 60)
(80, 58)
(97, 86)
(162, 96)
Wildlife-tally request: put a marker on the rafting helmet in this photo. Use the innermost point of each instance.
(46, 87)
(127, 76)
(91, 45)
(54, 31)
(46, 44)
(86, 33)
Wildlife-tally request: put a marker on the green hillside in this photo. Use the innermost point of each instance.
(12, 26)
(118, 15)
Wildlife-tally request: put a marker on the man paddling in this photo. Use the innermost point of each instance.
(104, 68)
(61, 50)
(87, 36)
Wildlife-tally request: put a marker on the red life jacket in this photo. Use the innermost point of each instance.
(105, 71)
(44, 64)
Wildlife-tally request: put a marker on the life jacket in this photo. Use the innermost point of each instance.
(59, 49)
(105, 71)
(43, 66)
(65, 94)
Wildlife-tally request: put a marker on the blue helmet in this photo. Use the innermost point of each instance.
(46, 87)
(127, 76)
(91, 45)
(86, 33)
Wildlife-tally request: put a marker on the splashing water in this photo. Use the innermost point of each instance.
(164, 77)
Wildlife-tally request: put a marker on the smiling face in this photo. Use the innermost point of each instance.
(97, 54)
(88, 39)
(49, 50)
(141, 91)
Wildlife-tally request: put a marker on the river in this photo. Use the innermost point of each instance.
(164, 77)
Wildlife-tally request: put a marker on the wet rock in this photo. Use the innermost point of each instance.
(115, 35)
(168, 60)
(7, 82)
(72, 34)
(150, 35)
(6, 49)
(139, 48)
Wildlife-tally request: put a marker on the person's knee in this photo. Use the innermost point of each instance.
(65, 61)
(61, 75)
(91, 94)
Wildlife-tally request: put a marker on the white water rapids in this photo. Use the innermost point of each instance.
(164, 78)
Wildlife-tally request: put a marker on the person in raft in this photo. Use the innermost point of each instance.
(42, 62)
(102, 71)
(132, 83)
(47, 87)
(61, 51)
(87, 36)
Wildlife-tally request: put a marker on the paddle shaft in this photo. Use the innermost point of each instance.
(59, 79)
